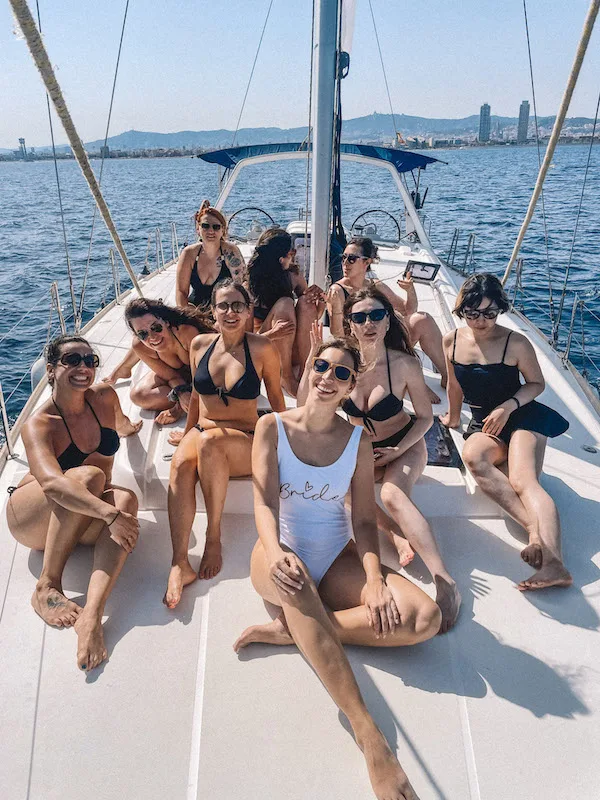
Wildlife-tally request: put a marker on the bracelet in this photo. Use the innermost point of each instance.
(108, 524)
(517, 401)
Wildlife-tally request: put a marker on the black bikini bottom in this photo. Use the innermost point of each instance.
(397, 437)
(198, 428)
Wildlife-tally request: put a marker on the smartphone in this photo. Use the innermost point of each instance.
(421, 271)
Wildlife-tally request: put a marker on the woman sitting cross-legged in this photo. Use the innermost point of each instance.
(275, 285)
(303, 464)
(67, 497)
(217, 443)
(162, 339)
(509, 428)
(357, 258)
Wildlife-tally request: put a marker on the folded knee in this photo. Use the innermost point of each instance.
(520, 483)
(93, 478)
(476, 465)
(428, 619)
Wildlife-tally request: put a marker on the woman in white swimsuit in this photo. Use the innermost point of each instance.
(306, 558)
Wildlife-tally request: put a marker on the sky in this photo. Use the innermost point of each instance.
(185, 63)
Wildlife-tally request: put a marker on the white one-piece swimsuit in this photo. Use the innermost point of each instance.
(313, 521)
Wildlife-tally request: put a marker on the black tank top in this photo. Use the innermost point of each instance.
(487, 385)
(74, 457)
(202, 292)
(386, 408)
(246, 388)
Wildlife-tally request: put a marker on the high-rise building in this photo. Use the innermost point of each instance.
(523, 122)
(23, 149)
(484, 123)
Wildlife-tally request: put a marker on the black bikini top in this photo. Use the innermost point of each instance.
(74, 457)
(487, 385)
(202, 292)
(246, 388)
(386, 408)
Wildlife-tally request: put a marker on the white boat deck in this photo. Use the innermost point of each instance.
(505, 706)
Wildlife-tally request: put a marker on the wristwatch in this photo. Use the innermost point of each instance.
(173, 395)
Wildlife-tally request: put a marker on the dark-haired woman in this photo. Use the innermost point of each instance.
(486, 362)
(331, 590)
(162, 339)
(228, 369)
(275, 285)
(357, 258)
(202, 265)
(400, 453)
(67, 497)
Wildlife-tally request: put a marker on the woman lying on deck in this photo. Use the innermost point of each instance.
(275, 284)
(358, 256)
(306, 560)
(218, 437)
(508, 427)
(67, 497)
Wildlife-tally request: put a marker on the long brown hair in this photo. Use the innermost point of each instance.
(173, 315)
(397, 337)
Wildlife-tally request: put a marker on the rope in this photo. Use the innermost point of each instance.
(42, 62)
(539, 155)
(308, 138)
(237, 127)
(387, 88)
(102, 151)
(60, 203)
(587, 167)
(560, 118)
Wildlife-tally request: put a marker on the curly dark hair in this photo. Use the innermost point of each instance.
(53, 350)
(476, 288)
(397, 337)
(267, 280)
(172, 315)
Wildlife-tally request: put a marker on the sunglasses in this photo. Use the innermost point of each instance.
(156, 327)
(341, 372)
(90, 360)
(360, 317)
(206, 226)
(238, 307)
(487, 313)
(351, 258)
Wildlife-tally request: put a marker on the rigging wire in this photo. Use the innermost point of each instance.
(60, 203)
(102, 154)
(252, 73)
(568, 267)
(539, 155)
(308, 137)
(397, 133)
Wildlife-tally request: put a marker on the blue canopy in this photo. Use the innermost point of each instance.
(403, 160)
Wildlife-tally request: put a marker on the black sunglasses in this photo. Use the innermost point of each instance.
(360, 317)
(487, 313)
(206, 226)
(156, 327)
(90, 360)
(341, 372)
(351, 258)
(238, 307)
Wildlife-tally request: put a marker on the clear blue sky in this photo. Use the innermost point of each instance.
(185, 63)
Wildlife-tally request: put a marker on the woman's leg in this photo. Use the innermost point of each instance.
(307, 312)
(525, 454)
(123, 370)
(319, 637)
(423, 330)
(150, 392)
(109, 558)
(40, 523)
(399, 479)
(284, 311)
(387, 525)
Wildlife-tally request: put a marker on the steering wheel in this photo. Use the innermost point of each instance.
(372, 226)
(250, 208)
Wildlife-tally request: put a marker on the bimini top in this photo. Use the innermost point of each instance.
(403, 160)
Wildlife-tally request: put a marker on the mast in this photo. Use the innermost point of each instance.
(325, 61)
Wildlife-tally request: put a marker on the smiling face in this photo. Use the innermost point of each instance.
(152, 331)
(324, 385)
(210, 233)
(483, 318)
(231, 310)
(78, 378)
(359, 264)
(369, 332)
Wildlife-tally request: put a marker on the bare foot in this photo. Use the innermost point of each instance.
(91, 651)
(532, 555)
(53, 607)
(433, 398)
(212, 560)
(553, 573)
(169, 415)
(274, 632)
(180, 575)
(117, 374)
(448, 599)
(388, 779)
(405, 551)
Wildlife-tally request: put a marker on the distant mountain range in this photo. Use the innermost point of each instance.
(375, 127)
